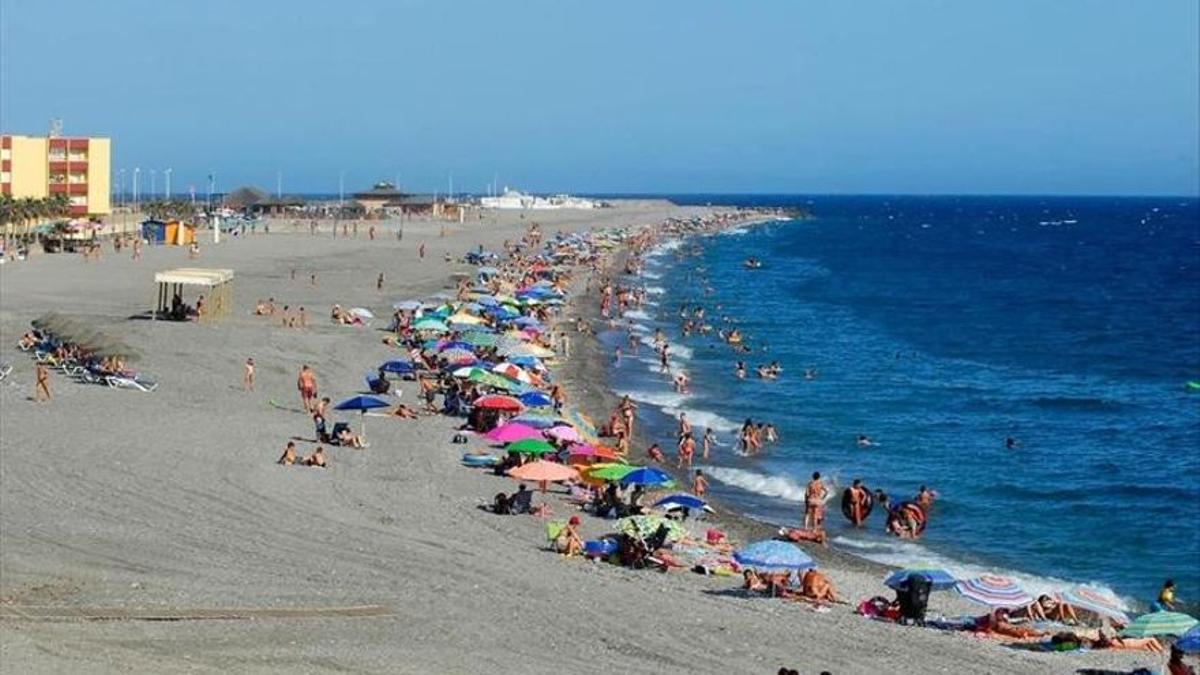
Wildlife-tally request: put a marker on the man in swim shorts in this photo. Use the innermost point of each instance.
(814, 502)
(307, 384)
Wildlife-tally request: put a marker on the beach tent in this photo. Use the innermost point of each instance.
(218, 285)
(180, 234)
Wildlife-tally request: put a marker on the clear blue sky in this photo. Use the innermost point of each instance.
(957, 96)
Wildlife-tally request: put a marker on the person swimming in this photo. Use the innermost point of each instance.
(865, 441)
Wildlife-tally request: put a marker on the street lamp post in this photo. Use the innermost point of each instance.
(120, 187)
(137, 170)
(153, 184)
(167, 175)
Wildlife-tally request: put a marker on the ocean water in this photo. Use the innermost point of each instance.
(940, 327)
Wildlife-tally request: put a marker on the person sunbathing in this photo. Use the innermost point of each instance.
(349, 439)
(1102, 641)
(817, 588)
(289, 455)
(1047, 608)
(404, 412)
(317, 459)
(752, 581)
(568, 542)
(998, 623)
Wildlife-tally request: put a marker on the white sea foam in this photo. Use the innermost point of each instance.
(907, 553)
(780, 487)
(734, 232)
(662, 399)
(646, 274)
(637, 314)
(655, 290)
(704, 418)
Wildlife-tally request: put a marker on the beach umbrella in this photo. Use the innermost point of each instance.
(486, 300)
(1190, 642)
(531, 446)
(513, 431)
(773, 556)
(993, 591)
(537, 421)
(1096, 601)
(362, 313)
(611, 471)
(649, 476)
(457, 355)
(1159, 623)
(645, 525)
(543, 472)
(563, 433)
(682, 501)
(582, 422)
(362, 404)
(454, 344)
(407, 305)
(430, 325)
(536, 399)
(479, 338)
(498, 402)
(489, 379)
(488, 271)
(940, 578)
(398, 366)
(465, 319)
(589, 450)
(527, 349)
(512, 371)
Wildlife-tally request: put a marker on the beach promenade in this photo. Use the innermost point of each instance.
(154, 532)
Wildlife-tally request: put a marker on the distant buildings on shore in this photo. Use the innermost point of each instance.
(42, 167)
(511, 199)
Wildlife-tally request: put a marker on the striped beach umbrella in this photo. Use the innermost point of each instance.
(1096, 601)
(771, 555)
(1159, 623)
(993, 591)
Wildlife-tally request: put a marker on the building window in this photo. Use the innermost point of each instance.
(77, 156)
(79, 200)
(78, 178)
(58, 155)
(58, 178)
(5, 153)
(5, 177)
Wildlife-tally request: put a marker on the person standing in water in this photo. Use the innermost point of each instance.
(858, 503)
(814, 502)
(699, 484)
(1166, 597)
(709, 440)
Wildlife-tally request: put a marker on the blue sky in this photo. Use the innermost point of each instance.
(957, 96)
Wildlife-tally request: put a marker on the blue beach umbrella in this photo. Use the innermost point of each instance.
(773, 556)
(536, 399)
(362, 404)
(398, 366)
(537, 421)
(1190, 642)
(681, 501)
(649, 476)
(941, 579)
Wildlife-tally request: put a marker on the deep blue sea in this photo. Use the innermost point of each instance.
(939, 327)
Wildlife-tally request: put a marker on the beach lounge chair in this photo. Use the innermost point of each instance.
(123, 382)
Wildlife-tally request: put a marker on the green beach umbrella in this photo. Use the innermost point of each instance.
(530, 446)
(1159, 623)
(479, 338)
(615, 472)
(495, 381)
(432, 325)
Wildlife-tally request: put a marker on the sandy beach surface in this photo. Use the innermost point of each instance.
(169, 505)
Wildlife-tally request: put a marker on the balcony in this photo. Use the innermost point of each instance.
(68, 188)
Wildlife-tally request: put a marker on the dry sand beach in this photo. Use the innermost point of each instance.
(170, 505)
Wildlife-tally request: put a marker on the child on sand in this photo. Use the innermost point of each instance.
(289, 454)
(699, 484)
(317, 458)
(248, 375)
(41, 387)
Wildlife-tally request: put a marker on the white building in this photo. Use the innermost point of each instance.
(511, 199)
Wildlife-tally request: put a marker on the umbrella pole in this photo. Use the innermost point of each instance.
(362, 426)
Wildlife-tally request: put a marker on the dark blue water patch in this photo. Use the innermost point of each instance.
(942, 326)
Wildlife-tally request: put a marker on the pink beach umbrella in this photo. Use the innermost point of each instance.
(513, 431)
(564, 433)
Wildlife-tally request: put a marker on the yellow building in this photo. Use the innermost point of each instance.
(37, 167)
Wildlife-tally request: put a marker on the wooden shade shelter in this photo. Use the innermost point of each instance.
(219, 283)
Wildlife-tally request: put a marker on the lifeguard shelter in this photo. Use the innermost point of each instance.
(170, 233)
(215, 284)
